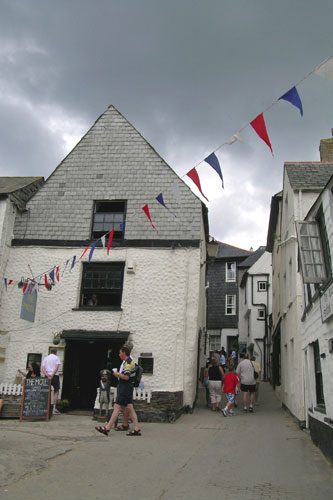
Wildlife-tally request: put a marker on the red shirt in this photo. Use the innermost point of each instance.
(229, 383)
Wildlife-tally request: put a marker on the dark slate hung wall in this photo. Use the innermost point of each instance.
(111, 162)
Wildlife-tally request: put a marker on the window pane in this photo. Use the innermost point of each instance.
(98, 217)
(108, 217)
(98, 226)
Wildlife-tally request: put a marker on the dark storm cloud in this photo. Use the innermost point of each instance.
(188, 74)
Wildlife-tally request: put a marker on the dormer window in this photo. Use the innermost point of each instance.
(109, 215)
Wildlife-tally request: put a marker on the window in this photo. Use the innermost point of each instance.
(318, 375)
(311, 251)
(214, 342)
(33, 358)
(147, 364)
(230, 271)
(102, 284)
(262, 286)
(230, 304)
(109, 215)
(261, 314)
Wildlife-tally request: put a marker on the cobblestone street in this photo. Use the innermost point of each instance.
(263, 455)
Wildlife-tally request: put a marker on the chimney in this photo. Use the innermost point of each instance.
(326, 149)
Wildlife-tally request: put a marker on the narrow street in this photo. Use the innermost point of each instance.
(202, 456)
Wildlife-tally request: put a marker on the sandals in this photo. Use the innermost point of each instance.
(122, 428)
(133, 432)
(102, 430)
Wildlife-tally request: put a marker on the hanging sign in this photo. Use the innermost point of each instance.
(29, 303)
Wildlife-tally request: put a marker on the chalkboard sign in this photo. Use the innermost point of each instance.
(36, 399)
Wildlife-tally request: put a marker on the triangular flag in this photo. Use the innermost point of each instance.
(67, 262)
(57, 273)
(103, 240)
(110, 241)
(259, 126)
(73, 262)
(214, 162)
(160, 200)
(325, 69)
(84, 251)
(93, 246)
(47, 286)
(234, 138)
(146, 211)
(193, 174)
(6, 283)
(31, 287)
(51, 274)
(25, 287)
(293, 97)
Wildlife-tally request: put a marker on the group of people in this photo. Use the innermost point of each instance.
(50, 369)
(223, 376)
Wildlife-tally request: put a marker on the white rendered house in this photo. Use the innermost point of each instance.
(149, 286)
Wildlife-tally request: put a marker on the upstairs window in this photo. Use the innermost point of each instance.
(230, 305)
(230, 271)
(102, 285)
(262, 286)
(312, 253)
(109, 215)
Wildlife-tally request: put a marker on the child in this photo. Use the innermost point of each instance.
(230, 383)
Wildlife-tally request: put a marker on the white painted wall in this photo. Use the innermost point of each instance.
(161, 307)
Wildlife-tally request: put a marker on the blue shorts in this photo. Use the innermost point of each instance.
(230, 397)
(124, 394)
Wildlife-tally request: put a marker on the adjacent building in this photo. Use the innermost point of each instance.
(147, 288)
(302, 184)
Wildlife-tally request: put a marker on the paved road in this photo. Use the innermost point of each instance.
(260, 456)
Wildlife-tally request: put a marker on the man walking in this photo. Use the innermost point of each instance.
(124, 399)
(50, 368)
(245, 372)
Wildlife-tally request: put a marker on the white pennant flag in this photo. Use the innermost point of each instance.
(325, 69)
(234, 138)
(103, 240)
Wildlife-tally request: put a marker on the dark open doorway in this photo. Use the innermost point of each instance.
(84, 359)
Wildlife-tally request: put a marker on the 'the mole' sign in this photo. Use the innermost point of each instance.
(36, 399)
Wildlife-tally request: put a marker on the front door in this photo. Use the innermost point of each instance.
(84, 359)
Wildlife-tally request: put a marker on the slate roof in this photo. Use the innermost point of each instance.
(309, 175)
(11, 184)
(229, 251)
(112, 162)
(252, 259)
(20, 189)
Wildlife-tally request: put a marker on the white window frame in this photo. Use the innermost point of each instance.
(230, 305)
(264, 289)
(311, 252)
(261, 314)
(214, 342)
(230, 274)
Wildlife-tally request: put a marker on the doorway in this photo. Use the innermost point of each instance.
(84, 359)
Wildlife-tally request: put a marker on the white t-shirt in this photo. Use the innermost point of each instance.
(49, 364)
(245, 372)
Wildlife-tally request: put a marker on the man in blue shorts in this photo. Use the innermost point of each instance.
(245, 372)
(124, 399)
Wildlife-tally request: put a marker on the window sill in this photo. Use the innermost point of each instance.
(97, 308)
(320, 409)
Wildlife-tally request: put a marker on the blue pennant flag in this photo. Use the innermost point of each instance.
(93, 246)
(214, 162)
(73, 262)
(160, 200)
(51, 274)
(293, 97)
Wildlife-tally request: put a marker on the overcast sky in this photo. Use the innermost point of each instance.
(188, 74)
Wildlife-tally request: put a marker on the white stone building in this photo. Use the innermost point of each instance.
(315, 239)
(150, 288)
(255, 306)
(302, 183)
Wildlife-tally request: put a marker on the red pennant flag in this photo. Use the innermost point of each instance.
(110, 241)
(57, 273)
(146, 211)
(84, 251)
(25, 287)
(259, 126)
(193, 175)
(46, 282)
